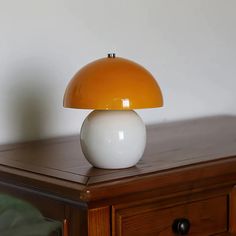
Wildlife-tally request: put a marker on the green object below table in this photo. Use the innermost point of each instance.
(19, 218)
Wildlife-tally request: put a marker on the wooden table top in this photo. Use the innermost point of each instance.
(169, 146)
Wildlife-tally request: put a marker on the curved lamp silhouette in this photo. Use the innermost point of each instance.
(113, 136)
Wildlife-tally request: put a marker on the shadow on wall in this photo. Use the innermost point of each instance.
(29, 101)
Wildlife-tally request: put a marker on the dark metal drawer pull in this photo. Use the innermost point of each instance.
(181, 226)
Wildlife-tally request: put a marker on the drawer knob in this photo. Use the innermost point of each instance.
(181, 226)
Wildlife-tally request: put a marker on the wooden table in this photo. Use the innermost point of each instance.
(186, 177)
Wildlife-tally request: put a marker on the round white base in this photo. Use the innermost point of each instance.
(113, 139)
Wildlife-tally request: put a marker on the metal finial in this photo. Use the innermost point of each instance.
(111, 55)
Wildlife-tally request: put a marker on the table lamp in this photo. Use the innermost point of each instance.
(113, 136)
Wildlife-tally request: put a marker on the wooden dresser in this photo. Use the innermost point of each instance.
(184, 183)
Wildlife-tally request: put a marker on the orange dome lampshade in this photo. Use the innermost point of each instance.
(113, 136)
(113, 83)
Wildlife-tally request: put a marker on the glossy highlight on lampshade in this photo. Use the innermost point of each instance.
(113, 83)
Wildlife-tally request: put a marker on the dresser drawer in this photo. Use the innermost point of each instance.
(206, 217)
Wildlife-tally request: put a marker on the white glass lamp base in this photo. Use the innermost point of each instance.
(113, 139)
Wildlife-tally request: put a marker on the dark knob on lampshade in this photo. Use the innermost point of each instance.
(111, 55)
(181, 226)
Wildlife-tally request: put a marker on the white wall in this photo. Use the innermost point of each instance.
(188, 45)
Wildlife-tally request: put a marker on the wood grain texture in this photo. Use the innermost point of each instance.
(77, 220)
(170, 146)
(207, 217)
(99, 222)
(188, 170)
(232, 211)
